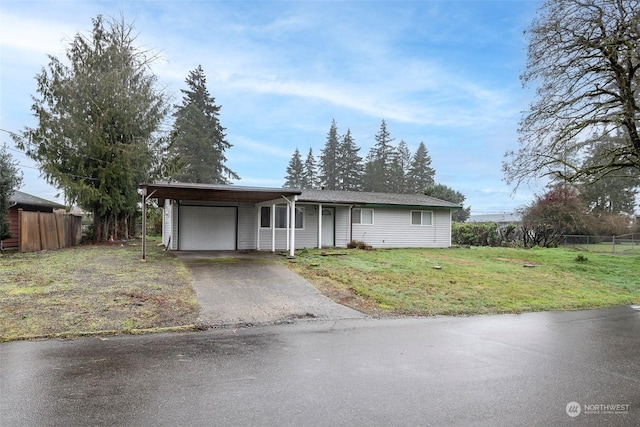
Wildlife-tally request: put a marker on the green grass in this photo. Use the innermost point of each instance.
(471, 281)
(87, 289)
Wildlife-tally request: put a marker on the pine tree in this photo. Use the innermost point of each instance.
(420, 174)
(198, 140)
(310, 172)
(329, 176)
(442, 192)
(379, 166)
(350, 165)
(401, 165)
(98, 114)
(295, 172)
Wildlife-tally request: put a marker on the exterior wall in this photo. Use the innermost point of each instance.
(392, 228)
(14, 229)
(343, 226)
(247, 221)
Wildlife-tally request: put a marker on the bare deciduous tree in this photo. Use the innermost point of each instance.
(584, 58)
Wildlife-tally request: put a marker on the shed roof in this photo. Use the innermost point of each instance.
(20, 198)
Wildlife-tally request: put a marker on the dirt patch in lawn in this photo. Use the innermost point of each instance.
(88, 289)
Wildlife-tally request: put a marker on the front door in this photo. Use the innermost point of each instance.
(328, 227)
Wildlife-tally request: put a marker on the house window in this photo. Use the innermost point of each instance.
(421, 218)
(281, 217)
(265, 217)
(362, 216)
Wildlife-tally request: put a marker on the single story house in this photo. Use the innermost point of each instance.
(26, 202)
(231, 217)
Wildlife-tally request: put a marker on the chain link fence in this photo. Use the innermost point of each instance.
(626, 244)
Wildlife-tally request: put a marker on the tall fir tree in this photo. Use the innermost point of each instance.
(98, 116)
(401, 165)
(198, 141)
(379, 169)
(310, 172)
(350, 164)
(329, 175)
(420, 174)
(442, 192)
(295, 172)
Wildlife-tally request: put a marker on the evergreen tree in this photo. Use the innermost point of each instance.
(295, 172)
(310, 173)
(329, 175)
(614, 193)
(420, 174)
(98, 115)
(379, 170)
(10, 179)
(198, 140)
(401, 165)
(442, 192)
(350, 164)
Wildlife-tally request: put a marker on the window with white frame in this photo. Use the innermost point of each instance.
(281, 216)
(362, 216)
(421, 218)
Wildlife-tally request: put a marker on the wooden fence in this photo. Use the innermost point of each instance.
(48, 231)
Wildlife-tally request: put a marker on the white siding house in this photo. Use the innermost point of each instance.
(214, 217)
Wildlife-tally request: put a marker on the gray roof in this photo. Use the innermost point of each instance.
(215, 192)
(20, 198)
(374, 199)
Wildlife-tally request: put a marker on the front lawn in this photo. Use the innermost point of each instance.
(459, 281)
(86, 289)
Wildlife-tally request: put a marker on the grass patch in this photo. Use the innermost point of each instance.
(471, 281)
(87, 289)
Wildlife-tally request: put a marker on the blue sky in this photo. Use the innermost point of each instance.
(442, 72)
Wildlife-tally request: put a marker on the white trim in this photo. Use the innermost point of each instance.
(360, 216)
(320, 226)
(431, 224)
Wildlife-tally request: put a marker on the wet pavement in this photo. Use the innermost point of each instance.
(559, 368)
(253, 288)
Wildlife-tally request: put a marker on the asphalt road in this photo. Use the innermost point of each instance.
(485, 370)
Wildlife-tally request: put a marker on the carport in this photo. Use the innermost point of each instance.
(218, 193)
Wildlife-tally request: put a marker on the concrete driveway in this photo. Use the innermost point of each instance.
(251, 288)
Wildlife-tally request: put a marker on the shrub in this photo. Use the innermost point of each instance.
(358, 244)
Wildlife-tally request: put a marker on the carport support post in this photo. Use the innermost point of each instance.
(144, 224)
(292, 246)
(320, 226)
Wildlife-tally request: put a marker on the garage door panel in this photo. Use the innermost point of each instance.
(207, 228)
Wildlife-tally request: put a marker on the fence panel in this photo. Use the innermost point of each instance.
(48, 231)
(29, 231)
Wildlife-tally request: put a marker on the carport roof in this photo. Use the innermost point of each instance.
(208, 192)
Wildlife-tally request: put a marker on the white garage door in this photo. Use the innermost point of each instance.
(207, 228)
